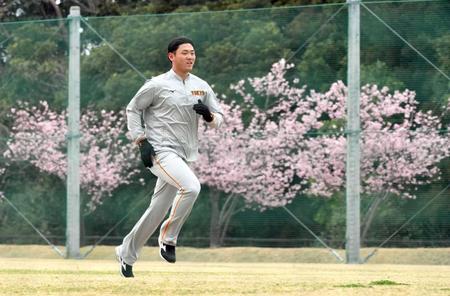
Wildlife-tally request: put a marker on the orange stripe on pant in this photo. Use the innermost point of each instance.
(178, 202)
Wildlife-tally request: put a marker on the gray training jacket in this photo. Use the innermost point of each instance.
(170, 124)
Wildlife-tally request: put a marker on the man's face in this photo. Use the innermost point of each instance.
(183, 58)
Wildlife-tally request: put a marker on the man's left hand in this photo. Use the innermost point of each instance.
(203, 110)
(147, 153)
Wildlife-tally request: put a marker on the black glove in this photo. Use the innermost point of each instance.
(203, 110)
(147, 152)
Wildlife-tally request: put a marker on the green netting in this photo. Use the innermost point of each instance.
(425, 26)
(34, 62)
(119, 53)
(33, 68)
(403, 47)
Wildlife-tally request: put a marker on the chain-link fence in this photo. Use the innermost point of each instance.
(405, 68)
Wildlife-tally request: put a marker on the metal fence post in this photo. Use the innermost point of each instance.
(353, 135)
(73, 138)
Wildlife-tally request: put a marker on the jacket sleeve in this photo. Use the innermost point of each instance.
(214, 107)
(141, 101)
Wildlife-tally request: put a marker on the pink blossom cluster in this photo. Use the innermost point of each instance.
(39, 135)
(401, 146)
(235, 160)
(298, 144)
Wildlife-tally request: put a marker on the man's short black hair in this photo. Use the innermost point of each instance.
(176, 42)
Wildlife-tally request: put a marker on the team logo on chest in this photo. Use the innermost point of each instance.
(198, 92)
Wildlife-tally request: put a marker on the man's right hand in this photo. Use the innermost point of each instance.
(147, 153)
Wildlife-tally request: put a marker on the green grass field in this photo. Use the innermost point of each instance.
(34, 270)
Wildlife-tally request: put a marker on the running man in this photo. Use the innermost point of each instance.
(170, 105)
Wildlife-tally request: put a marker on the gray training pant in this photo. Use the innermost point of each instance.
(176, 187)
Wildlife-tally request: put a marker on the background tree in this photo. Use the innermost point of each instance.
(401, 145)
(34, 64)
(244, 47)
(38, 9)
(39, 137)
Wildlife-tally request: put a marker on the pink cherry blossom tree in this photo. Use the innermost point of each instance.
(401, 145)
(253, 161)
(38, 136)
(295, 143)
(243, 161)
